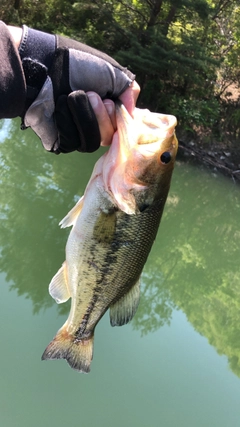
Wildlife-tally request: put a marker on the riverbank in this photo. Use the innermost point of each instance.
(223, 157)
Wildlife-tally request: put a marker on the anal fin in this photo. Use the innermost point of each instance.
(58, 287)
(124, 309)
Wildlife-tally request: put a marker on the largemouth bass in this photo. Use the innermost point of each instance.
(113, 228)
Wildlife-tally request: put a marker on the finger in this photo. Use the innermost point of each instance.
(130, 96)
(110, 107)
(104, 122)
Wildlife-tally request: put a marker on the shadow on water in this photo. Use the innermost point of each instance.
(194, 263)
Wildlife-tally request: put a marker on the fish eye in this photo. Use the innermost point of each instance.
(165, 157)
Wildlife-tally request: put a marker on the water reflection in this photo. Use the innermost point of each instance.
(37, 189)
(198, 252)
(194, 264)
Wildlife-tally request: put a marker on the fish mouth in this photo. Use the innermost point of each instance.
(160, 127)
(151, 127)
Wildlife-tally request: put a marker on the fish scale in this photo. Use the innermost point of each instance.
(113, 229)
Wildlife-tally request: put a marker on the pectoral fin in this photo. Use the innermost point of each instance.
(124, 309)
(72, 215)
(58, 287)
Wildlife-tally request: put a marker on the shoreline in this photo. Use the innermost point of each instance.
(217, 157)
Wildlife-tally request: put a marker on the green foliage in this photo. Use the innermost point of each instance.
(231, 122)
(185, 54)
(192, 113)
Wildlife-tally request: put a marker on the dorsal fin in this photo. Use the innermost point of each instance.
(72, 215)
(58, 287)
(124, 309)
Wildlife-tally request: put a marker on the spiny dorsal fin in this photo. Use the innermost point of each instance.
(72, 215)
(124, 309)
(58, 287)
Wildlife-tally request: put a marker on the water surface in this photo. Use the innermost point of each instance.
(177, 363)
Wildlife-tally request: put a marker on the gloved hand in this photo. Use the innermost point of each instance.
(58, 73)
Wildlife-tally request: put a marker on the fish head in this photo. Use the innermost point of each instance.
(155, 147)
(142, 158)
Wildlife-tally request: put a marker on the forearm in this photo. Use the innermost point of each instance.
(12, 80)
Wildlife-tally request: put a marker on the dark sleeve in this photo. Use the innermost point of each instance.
(12, 81)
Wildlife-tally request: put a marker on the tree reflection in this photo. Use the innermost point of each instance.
(156, 306)
(37, 190)
(197, 253)
(194, 263)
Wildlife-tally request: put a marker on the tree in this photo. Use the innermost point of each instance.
(185, 54)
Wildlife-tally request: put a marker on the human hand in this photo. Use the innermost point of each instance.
(105, 110)
(67, 114)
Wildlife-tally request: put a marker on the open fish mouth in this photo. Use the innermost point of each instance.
(150, 127)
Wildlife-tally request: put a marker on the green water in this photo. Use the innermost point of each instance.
(177, 363)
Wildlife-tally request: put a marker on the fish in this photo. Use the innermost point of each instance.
(114, 225)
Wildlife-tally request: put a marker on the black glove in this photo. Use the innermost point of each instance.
(58, 72)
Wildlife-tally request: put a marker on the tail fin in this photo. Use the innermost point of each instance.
(78, 353)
